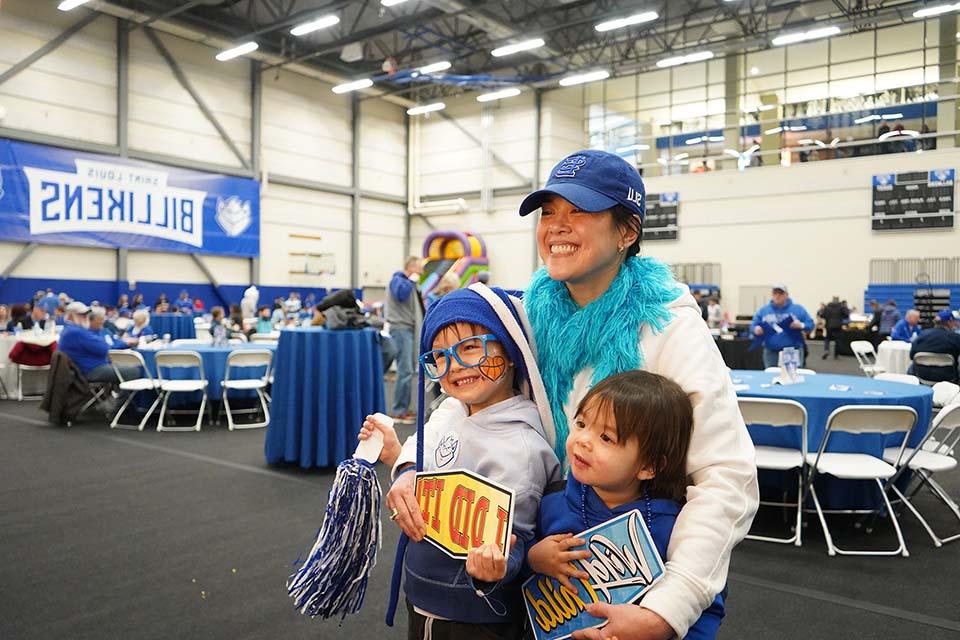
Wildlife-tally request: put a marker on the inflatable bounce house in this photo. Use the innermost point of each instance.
(459, 252)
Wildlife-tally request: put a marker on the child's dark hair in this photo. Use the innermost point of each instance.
(658, 413)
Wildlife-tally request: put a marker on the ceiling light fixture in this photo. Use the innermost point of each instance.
(891, 116)
(435, 67)
(314, 25)
(633, 147)
(926, 12)
(903, 132)
(510, 49)
(637, 18)
(591, 76)
(390, 3)
(497, 95)
(866, 119)
(236, 51)
(691, 57)
(801, 36)
(66, 5)
(770, 132)
(427, 108)
(353, 86)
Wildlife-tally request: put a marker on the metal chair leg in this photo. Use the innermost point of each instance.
(163, 410)
(894, 519)
(226, 406)
(114, 424)
(831, 550)
(149, 413)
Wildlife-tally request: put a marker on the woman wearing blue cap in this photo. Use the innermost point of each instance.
(597, 308)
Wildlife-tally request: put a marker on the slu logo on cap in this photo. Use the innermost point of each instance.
(635, 197)
(233, 215)
(569, 166)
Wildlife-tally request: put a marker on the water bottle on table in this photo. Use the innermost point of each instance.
(789, 363)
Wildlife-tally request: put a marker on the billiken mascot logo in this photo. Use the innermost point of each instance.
(233, 215)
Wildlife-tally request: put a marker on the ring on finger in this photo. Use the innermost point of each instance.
(394, 512)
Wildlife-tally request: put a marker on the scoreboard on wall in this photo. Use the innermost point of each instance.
(661, 222)
(914, 200)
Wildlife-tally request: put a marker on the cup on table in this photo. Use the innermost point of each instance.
(166, 338)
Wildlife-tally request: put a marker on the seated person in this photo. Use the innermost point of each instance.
(82, 341)
(318, 319)
(940, 339)
(184, 304)
(908, 328)
(264, 320)
(141, 327)
(37, 318)
(219, 326)
(19, 315)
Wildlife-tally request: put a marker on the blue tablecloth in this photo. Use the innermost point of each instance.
(325, 383)
(179, 326)
(214, 366)
(820, 400)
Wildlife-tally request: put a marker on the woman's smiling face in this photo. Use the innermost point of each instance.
(578, 247)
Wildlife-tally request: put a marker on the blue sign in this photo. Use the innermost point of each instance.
(669, 198)
(884, 181)
(58, 196)
(941, 177)
(624, 565)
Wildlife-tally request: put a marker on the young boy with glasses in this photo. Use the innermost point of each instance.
(473, 343)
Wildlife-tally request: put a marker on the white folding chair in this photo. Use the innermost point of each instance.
(181, 360)
(866, 357)
(128, 357)
(945, 393)
(858, 420)
(247, 358)
(267, 338)
(924, 464)
(238, 338)
(903, 378)
(780, 413)
(938, 360)
(21, 368)
(181, 342)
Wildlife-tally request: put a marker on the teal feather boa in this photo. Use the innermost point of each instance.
(604, 335)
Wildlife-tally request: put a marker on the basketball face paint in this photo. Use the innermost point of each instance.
(487, 377)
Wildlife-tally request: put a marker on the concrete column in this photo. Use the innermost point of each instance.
(947, 109)
(731, 120)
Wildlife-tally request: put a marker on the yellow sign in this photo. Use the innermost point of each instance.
(464, 510)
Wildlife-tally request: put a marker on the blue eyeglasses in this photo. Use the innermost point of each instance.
(469, 353)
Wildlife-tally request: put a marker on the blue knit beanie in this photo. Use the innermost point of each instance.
(466, 305)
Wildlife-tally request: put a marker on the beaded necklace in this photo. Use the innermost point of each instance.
(648, 516)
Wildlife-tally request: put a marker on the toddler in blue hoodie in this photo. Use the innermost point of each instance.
(627, 449)
(473, 343)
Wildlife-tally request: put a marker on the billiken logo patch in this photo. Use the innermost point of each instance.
(569, 167)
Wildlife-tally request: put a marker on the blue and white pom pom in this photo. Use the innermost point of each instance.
(333, 579)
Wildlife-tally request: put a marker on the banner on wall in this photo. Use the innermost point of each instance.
(59, 196)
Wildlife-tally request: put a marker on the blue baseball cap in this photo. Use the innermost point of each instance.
(592, 181)
(945, 315)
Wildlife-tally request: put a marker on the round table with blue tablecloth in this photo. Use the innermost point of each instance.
(820, 395)
(214, 365)
(325, 383)
(178, 325)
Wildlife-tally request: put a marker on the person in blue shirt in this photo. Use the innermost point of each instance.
(264, 320)
(768, 323)
(49, 303)
(942, 338)
(889, 317)
(83, 342)
(627, 450)
(184, 304)
(141, 326)
(908, 328)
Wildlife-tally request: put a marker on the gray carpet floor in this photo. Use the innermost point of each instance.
(116, 534)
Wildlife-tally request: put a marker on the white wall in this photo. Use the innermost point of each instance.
(450, 163)
(306, 134)
(807, 225)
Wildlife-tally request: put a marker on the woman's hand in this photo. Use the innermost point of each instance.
(391, 443)
(552, 557)
(487, 562)
(402, 499)
(626, 621)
